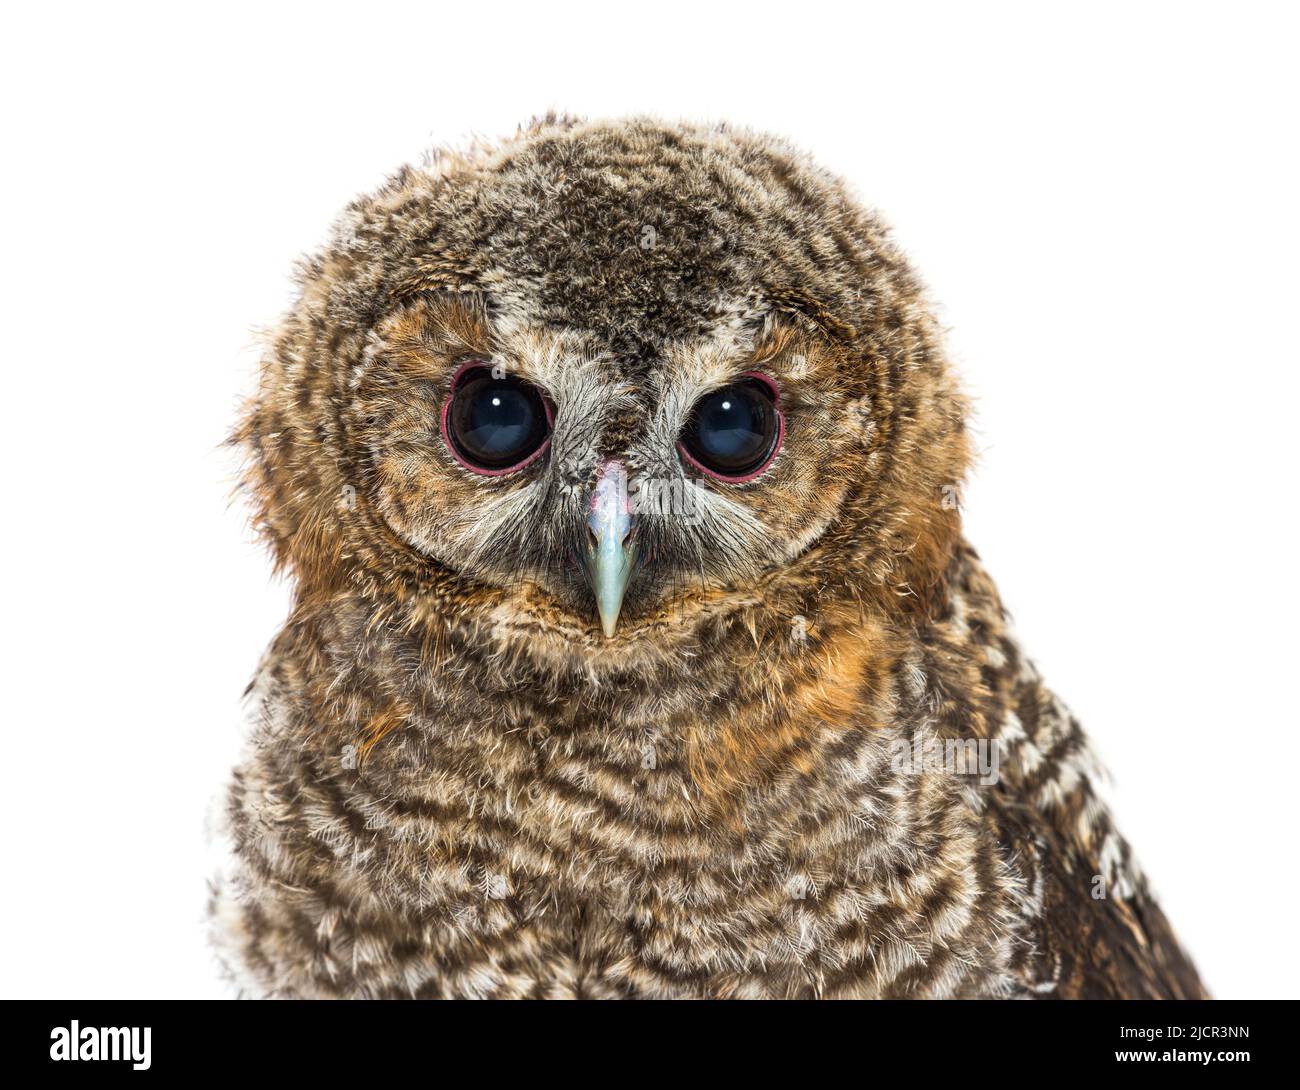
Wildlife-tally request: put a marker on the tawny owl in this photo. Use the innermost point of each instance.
(636, 650)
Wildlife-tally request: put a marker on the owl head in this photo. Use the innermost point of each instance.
(601, 389)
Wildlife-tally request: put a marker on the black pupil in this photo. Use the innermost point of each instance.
(732, 430)
(496, 423)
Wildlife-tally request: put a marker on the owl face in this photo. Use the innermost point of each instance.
(606, 385)
(527, 457)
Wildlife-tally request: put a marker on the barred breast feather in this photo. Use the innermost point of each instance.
(503, 840)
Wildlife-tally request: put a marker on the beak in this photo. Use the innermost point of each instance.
(610, 554)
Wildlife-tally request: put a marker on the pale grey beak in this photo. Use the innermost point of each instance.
(610, 554)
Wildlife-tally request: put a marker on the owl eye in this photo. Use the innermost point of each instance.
(734, 433)
(494, 425)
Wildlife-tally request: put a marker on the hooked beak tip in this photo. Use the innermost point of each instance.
(608, 572)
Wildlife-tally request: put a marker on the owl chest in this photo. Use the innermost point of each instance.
(602, 899)
(593, 869)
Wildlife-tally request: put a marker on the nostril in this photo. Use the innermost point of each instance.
(592, 541)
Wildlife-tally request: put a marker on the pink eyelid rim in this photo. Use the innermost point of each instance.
(776, 447)
(473, 365)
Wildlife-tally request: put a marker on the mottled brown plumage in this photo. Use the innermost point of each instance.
(458, 786)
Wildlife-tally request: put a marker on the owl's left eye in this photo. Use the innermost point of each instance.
(734, 433)
(494, 425)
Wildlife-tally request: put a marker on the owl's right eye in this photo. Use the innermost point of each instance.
(494, 425)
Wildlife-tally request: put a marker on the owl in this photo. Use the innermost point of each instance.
(635, 648)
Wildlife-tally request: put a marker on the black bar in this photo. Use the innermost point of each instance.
(436, 1042)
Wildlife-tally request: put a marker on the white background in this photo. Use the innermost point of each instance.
(1102, 198)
